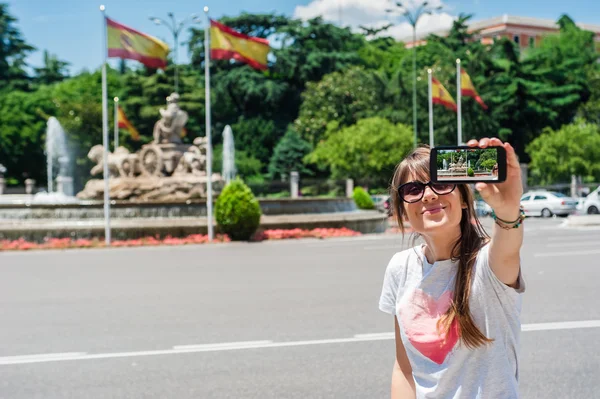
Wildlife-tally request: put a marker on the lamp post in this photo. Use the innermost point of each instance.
(413, 14)
(176, 29)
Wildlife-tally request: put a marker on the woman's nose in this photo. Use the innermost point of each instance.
(429, 194)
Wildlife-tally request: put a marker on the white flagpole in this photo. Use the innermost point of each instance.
(105, 141)
(116, 145)
(458, 102)
(429, 78)
(209, 218)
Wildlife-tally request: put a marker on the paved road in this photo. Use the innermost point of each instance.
(270, 320)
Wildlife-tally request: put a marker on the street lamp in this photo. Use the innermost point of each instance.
(176, 29)
(413, 15)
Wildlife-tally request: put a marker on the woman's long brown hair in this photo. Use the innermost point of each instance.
(465, 250)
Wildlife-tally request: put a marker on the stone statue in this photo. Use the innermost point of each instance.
(170, 126)
(120, 163)
(164, 170)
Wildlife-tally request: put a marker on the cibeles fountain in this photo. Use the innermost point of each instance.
(165, 170)
(159, 190)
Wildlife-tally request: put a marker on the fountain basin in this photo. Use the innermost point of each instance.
(366, 222)
(25, 207)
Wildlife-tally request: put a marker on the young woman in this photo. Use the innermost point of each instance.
(456, 299)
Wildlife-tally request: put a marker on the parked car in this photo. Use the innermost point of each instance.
(547, 204)
(482, 208)
(591, 204)
(382, 203)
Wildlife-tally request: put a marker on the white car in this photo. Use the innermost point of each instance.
(547, 204)
(591, 204)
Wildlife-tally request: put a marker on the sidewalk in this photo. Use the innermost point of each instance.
(582, 220)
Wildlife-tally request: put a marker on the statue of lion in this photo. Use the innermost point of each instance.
(118, 162)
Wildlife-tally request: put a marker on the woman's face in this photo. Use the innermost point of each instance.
(435, 214)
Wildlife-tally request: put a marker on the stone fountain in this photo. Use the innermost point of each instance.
(165, 170)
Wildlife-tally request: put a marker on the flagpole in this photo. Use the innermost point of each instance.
(209, 218)
(458, 101)
(430, 95)
(105, 142)
(116, 145)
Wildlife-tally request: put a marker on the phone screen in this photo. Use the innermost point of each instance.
(470, 164)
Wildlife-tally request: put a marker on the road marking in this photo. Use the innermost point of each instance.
(572, 237)
(567, 253)
(573, 244)
(564, 325)
(44, 357)
(239, 345)
(231, 346)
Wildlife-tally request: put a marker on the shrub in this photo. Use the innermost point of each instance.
(470, 172)
(362, 199)
(237, 211)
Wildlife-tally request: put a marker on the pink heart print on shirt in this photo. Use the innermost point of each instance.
(419, 314)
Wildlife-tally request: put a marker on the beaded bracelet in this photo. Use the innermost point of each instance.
(510, 225)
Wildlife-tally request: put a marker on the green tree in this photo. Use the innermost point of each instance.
(571, 150)
(370, 149)
(54, 70)
(590, 110)
(288, 156)
(344, 97)
(13, 51)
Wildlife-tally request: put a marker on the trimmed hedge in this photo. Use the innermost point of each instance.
(237, 211)
(362, 199)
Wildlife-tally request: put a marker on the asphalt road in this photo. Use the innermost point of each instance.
(293, 319)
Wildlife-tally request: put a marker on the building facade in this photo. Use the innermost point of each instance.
(525, 31)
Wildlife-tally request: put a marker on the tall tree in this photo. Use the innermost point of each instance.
(13, 51)
(54, 70)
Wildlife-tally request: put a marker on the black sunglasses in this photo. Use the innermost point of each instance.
(413, 191)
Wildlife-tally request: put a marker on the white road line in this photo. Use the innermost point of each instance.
(573, 237)
(377, 247)
(574, 244)
(44, 357)
(567, 253)
(242, 344)
(231, 346)
(565, 325)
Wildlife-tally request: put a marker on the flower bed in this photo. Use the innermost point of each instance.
(65, 243)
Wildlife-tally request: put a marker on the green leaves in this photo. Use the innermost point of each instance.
(558, 154)
(288, 156)
(369, 149)
(237, 211)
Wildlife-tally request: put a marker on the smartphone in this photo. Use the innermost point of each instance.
(462, 164)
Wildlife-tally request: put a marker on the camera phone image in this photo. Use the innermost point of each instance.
(467, 164)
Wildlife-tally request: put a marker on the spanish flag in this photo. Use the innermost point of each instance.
(440, 95)
(467, 88)
(128, 43)
(125, 124)
(228, 44)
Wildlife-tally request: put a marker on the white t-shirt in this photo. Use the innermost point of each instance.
(418, 293)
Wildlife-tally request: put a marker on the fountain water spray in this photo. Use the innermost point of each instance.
(228, 155)
(56, 150)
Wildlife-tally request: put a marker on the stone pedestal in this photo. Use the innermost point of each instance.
(64, 185)
(294, 184)
(349, 188)
(29, 186)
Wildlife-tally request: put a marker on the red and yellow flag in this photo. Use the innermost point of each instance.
(128, 43)
(468, 90)
(228, 44)
(440, 95)
(125, 124)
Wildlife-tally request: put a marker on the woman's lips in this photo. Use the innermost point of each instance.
(432, 211)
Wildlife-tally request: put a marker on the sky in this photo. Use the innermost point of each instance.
(73, 29)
